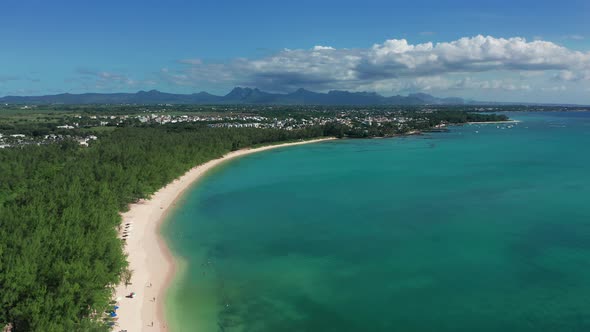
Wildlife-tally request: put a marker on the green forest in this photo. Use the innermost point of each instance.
(59, 212)
(60, 255)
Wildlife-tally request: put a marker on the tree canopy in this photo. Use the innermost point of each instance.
(60, 254)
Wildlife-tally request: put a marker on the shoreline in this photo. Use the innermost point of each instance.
(152, 264)
(493, 122)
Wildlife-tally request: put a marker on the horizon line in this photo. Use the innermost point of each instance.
(409, 94)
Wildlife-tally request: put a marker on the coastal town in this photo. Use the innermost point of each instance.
(46, 125)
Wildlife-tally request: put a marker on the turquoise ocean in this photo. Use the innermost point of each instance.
(483, 228)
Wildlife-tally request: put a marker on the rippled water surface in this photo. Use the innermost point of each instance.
(484, 228)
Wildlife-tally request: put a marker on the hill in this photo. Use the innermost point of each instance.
(238, 95)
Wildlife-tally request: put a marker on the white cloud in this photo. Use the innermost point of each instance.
(323, 48)
(191, 61)
(425, 65)
(108, 80)
(506, 85)
(476, 54)
(574, 37)
(569, 75)
(554, 88)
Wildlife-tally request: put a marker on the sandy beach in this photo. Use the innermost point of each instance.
(149, 259)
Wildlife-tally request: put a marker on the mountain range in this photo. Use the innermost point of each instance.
(238, 95)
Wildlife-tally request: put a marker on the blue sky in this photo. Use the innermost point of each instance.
(486, 50)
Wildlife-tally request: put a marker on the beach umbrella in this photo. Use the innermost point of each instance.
(116, 307)
(113, 314)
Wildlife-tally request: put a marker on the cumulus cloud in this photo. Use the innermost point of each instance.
(440, 83)
(323, 48)
(476, 54)
(107, 80)
(506, 85)
(325, 67)
(191, 61)
(554, 88)
(569, 75)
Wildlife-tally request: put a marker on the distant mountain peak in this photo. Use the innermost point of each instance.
(420, 95)
(239, 92)
(301, 91)
(238, 95)
(150, 92)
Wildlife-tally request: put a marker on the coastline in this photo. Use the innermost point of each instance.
(493, 122)
(150, 260)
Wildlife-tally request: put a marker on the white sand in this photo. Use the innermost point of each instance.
(149, 258)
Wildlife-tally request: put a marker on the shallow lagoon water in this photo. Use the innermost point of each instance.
(483, 228)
